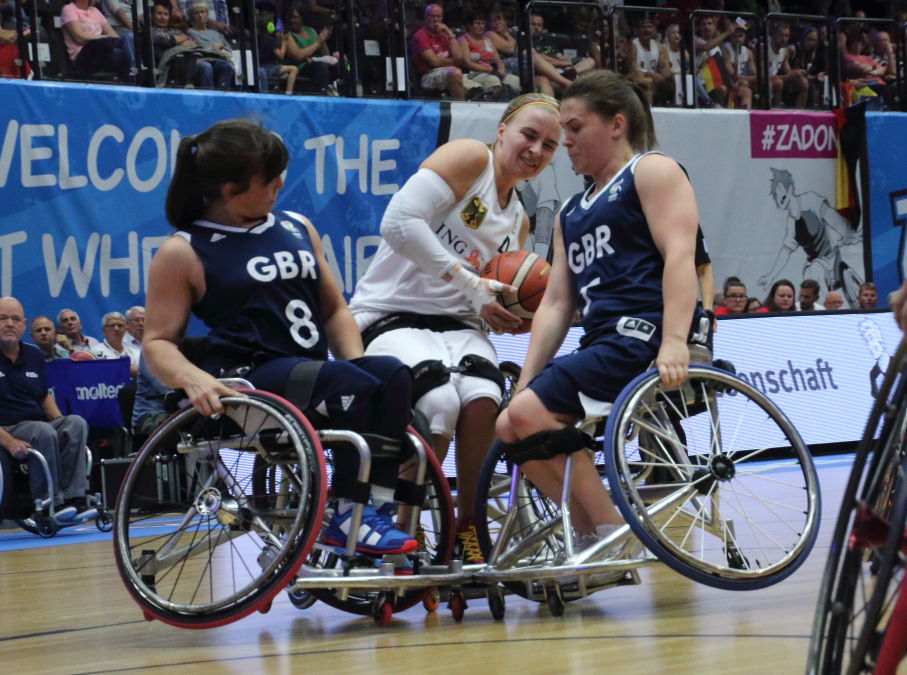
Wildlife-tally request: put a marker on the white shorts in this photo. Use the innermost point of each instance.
(442, 405)
(437, 79)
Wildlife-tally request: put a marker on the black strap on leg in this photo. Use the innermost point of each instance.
(428, 375)
(301, 383)
(408, 492)
(478, 366)
(350, 488)
(547, 445)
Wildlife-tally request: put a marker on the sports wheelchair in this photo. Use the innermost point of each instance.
(217, 515)
(711, 478)
(860, 624)
(36, 514)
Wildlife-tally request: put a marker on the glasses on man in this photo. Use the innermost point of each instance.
(735, 296)
(115, 325)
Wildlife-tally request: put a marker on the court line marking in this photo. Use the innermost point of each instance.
(61, 631)
(461, 643)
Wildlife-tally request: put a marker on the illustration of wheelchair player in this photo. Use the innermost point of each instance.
(818, 229)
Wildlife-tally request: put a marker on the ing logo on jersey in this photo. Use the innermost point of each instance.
(615, 190)
(290, 227)
(474, 213)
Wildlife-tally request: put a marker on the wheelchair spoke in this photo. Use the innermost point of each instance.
(754, 524)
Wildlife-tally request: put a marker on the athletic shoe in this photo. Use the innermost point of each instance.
(468, 544)
(377, 534)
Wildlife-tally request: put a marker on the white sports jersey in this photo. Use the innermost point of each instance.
(775, 59)
(739, 57)
(473, 230)
(646, 59)
(674, 60)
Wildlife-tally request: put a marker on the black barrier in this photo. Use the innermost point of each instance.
(562, 7)
(890, 99)
(752, 20)
(614, 35)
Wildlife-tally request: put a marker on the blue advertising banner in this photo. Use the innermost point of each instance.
(89, 388)
(84, 172)
(886, 138)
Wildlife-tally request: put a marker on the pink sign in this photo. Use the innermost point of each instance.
(796, 135)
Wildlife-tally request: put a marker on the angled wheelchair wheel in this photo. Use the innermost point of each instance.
(732, 499)
(216, 514)
(436, 545)
(865, 567)
(532, 513)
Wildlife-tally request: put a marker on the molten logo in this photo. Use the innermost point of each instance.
(102, 392)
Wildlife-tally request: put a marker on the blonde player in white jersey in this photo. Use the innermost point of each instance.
(422, 299)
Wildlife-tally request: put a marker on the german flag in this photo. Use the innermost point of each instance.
(714, 73)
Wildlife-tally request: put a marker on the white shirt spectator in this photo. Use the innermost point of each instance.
(130, 341)
(105, 351)
(816, 307)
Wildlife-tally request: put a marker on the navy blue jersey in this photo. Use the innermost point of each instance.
(262, 291)
(23, 386)
(617, 269)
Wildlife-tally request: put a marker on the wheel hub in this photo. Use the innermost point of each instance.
(208, 501)
(722, 468)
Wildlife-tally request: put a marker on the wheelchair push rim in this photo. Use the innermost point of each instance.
(733, 500)
(196, 544)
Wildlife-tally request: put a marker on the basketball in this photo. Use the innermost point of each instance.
(528, 273)
(81, 356)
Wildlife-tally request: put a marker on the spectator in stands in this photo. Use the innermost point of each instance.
(29, 418)
(44, 335)
(780, 297)
(734, 297)
(809, 296)
(545, 49)
(135, 327)
(119, 15)
(272, 50)
(809, 57)
(200, 65)
(204, 35)
(753, 306)
(783, 78)
(93, 45)
(218, 14)
(711, 67)
(583, 21)
(113, 325)
(857, 66)
(319, 16)
(883, 54)
(673, 44)
(437, 55)
(503, 38)
(482, 63)
(68, 323)
(8, 22)
(649, 64)
(308, 51)
(741, 66)
(834, 300)
(869, 296)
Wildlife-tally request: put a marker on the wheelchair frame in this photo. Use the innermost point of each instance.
(379, 581)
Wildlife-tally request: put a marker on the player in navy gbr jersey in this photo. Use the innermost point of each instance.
(624, 259)
(422, 299)
(259, 281)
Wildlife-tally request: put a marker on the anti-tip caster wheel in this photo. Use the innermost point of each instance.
(431, 600)
(496, 605)
(457, 604)
(383, 613)
(555, 599)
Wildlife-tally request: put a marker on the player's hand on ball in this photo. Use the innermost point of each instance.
(672, 362)
(499, 319)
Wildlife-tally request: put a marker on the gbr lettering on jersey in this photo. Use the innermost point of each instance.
(589, 248)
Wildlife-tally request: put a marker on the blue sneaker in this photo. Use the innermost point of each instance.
(377, 534)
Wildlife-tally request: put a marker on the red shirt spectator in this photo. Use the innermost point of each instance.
(424, 40)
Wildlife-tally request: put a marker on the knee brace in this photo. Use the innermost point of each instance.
(474, 365)
(547, 444)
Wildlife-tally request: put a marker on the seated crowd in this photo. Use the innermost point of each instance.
(733, 299)
(475, 51)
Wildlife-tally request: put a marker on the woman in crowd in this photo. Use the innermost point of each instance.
(642, 207)
(307, 50)
(483, 63)
(781, 297)
(272, 50)
(221, 69)
(93, 45)
(753, 305)
(422, 299)
(279, 326)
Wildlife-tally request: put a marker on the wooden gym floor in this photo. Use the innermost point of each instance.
(65, 611)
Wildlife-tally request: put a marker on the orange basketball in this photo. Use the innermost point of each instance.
(528, 273)
(81, 356)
